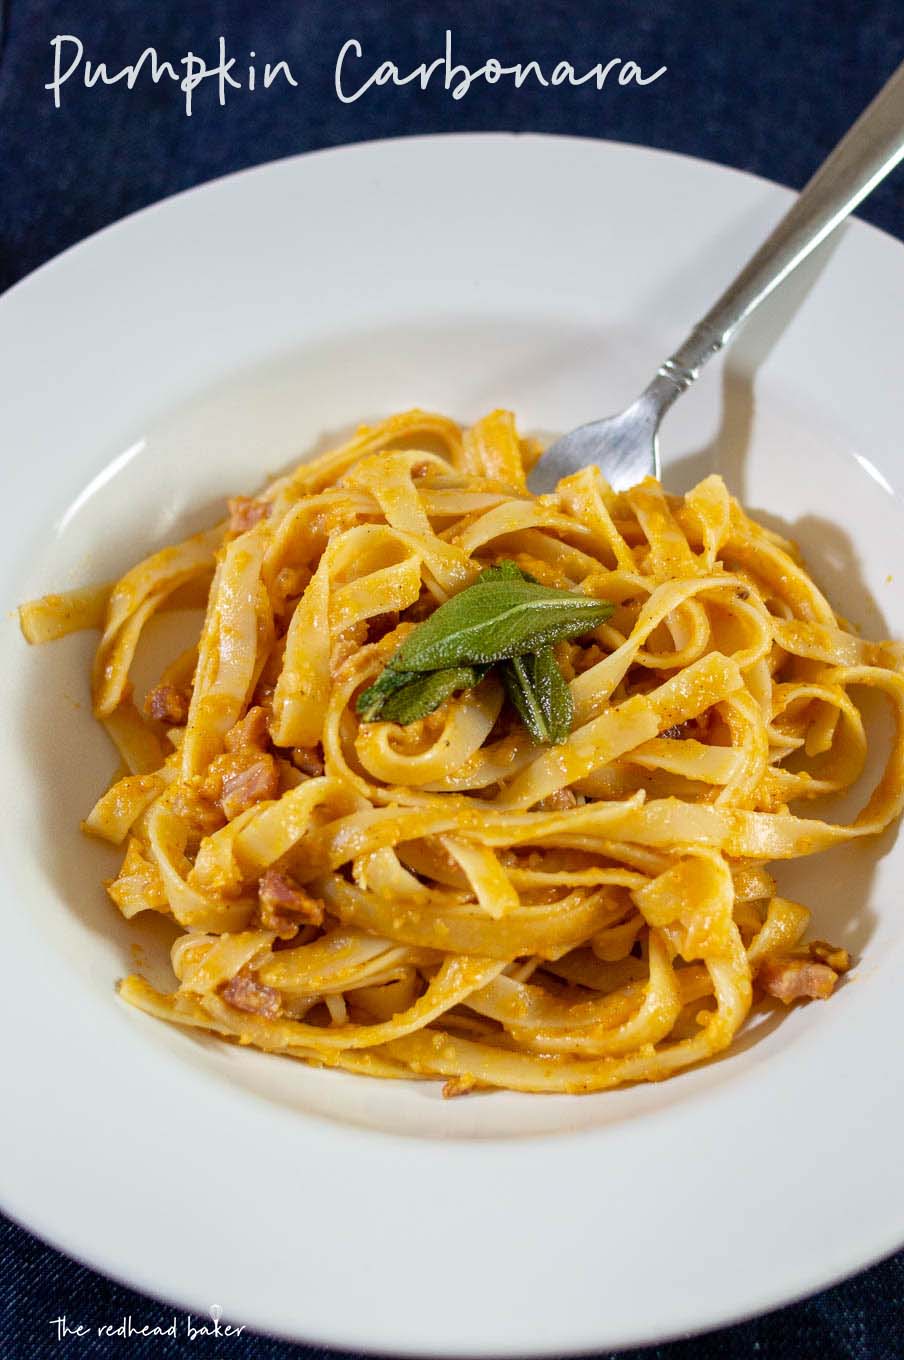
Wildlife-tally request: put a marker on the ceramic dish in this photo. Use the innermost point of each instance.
(198, 347)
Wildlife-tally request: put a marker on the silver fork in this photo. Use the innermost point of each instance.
(626, 446)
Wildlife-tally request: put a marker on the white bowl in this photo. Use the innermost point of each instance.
(200, 346)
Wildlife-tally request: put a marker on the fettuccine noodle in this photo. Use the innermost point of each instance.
(447, 899)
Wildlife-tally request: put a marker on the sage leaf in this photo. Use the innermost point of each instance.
(504, 571)
(370, 701)
(553, 695)
(497, 620)
(520, 689)
(541, 695)
(426, 692)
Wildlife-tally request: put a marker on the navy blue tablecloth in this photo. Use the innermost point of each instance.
(765, 85)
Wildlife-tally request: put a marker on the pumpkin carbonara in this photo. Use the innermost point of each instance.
(521, 843)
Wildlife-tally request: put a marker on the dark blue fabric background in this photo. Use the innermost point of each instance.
(766, 85)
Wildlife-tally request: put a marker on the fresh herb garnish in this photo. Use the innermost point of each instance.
(504, 571)
(426, 692)
(506, 617)
(516, 676)
(495, 620)
(541, 695)
(372, 701)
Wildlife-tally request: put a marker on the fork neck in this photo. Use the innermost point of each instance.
(681, 368)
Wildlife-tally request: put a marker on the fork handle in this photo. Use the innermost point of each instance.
(863, 157)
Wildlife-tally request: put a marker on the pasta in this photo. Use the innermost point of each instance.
(451, 896)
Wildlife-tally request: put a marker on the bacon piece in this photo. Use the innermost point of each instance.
(248, 784)
(422, 608)
(462, 1085)
(245, 512)
(284, 904)
(381, 624)
(347, 642)
(308, 759)
(196, 805)
(582, 658)
(167, 703)
(289, 583)
(245, 993)
(837, 959)
(796, 979)
(559, 801)
(250, 733)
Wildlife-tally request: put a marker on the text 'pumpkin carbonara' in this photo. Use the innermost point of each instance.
(448, 898)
